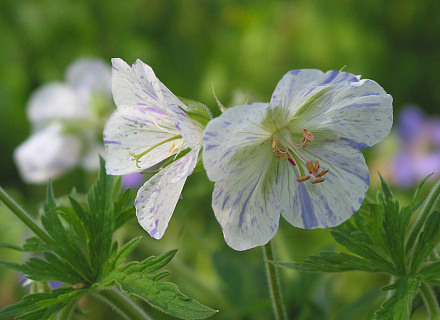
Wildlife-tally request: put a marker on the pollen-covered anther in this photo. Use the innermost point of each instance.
(318, 181)
(315, 171)
(307, 137)
(305, 178)
(310, 167)
(323, 172)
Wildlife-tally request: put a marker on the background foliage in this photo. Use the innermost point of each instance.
(241, 46)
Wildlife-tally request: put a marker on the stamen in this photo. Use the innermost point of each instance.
(318, 181)
(172, 147)
(305, 178)
(323, 172)
(307, 137)
(316, 167)
(310, 167)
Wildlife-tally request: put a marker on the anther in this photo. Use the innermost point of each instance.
(172, 146)
(310, 167)
(274, 145)
(316, 167)
(303, 179)
(307, 137)
(323, 172)
(317, 181)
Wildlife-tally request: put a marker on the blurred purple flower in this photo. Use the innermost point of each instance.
(133, 180)
(419, 153)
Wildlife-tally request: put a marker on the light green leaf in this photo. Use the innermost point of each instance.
(137, 280)
(398, 305)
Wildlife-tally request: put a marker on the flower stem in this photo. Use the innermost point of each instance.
(274, 283)
(430, 300)
(24, 217)
(125, 306)
(424, 212)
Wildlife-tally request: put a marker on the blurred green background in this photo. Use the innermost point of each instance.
(240, 46)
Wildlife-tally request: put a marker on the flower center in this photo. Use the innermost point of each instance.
(293, 154)
(174, 146)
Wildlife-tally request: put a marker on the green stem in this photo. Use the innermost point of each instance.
(424, 212)
(430, 300)
(125, 306)
(274, 283)
(24, 217)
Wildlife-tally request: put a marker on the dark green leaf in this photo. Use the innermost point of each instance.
(10, 246)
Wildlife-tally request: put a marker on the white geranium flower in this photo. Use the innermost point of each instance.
(66, 120)
(297, 156)
(150, 126)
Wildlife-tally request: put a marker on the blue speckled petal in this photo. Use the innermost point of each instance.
(305, 83)
(136, 129)
(191, 130)
(233, 137)
(139, 86)
(333, 201)
(157, 198)
(360, 113)
(246, 202)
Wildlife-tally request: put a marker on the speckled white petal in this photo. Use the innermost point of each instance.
(157, 198)
(47, 154)
(333, 201)
(246, 202)
(360, 113)
(139, 86)
(234, 137)
(307, 80)
(191, 130)
(54, 101)
(136, 129)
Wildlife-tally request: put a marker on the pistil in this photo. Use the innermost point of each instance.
(136, 157)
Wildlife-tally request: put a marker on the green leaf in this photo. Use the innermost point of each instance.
(138, 280)
(362, 249)
(395, 226)
(336, 262)
(121, 255)
(398, 305)
(10, 246)
(417, 192)
(428, 240)
(50, 198)
(43, 305)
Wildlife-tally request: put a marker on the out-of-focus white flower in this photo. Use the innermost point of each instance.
(67, 119)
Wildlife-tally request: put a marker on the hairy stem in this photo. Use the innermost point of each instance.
(122, 304)
(25, 217)
(274, 283)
